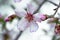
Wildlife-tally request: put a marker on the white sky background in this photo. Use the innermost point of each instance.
(47, 8)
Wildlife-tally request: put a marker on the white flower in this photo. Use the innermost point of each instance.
(28, 18)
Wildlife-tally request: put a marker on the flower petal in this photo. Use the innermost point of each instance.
(33, 27)
(37, 17)
(30, 8)
(40, 17)
(22, 24)
(20, 12)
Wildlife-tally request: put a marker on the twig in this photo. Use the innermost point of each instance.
(53, 3)
(19, 35)
(40, 6)
(56, 9)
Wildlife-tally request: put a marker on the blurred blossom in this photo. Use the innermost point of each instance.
(17, 0)
(28, 18)
(57, 29)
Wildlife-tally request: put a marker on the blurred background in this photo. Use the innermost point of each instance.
(9, 30)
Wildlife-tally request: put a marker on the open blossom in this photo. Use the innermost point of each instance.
(28, 18)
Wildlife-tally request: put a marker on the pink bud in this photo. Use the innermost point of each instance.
(42, 17)
(6, 19)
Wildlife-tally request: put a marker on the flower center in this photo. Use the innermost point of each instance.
(29, 17)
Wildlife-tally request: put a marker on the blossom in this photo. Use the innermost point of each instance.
(28, 18)
(57, 29)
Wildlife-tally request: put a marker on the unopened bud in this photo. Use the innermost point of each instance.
(57, 29)
(43, 17)
(10, 18)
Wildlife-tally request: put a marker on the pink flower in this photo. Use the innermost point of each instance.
(6, 19)
(43, 17)
(28, 18)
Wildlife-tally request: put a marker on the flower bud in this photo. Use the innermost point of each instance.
(10, 18)
(43, 17)
(53, 20)
(57, 29)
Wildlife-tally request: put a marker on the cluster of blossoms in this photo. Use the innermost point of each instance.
(57, 26)
(28, 19)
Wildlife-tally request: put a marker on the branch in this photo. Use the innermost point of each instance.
(19, 35)
(56, 9)
(53, 3)
(40, 6)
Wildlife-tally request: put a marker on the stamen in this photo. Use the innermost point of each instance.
(29, 17)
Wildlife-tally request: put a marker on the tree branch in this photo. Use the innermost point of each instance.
(40, 6)
(56, 9)
(19, 35)
(53, 3)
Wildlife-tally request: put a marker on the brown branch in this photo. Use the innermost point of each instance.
(53, 3)
(19, 35)
(40, 6)
(56, 10)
